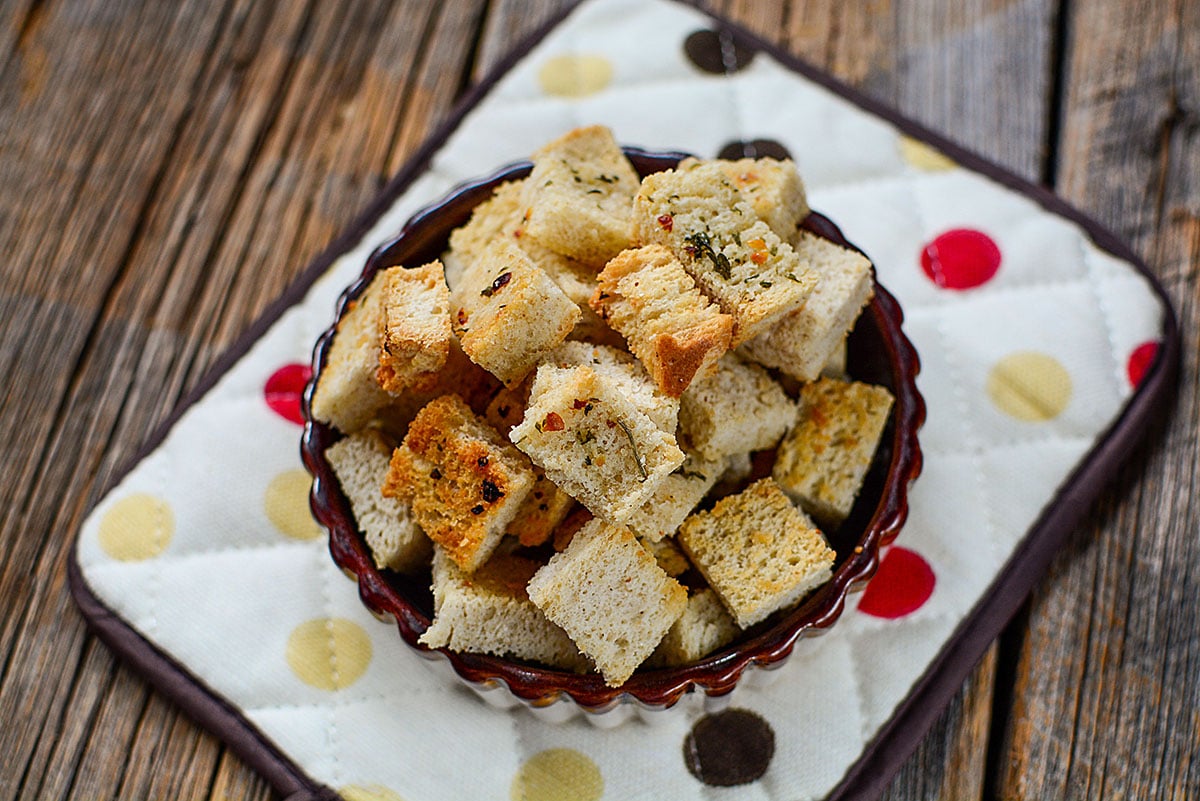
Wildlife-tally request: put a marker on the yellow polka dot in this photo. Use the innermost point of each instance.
(575, 76)
(286, 505)
(923, 156)
(329, 653)
(558, 774)
(368, 792)
(1029, 386)
(136, 528)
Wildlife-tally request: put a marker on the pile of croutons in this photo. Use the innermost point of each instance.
(558, 417)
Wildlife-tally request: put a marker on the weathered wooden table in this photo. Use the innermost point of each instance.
(167, 168)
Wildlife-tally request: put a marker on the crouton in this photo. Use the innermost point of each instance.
(593, 442)
(415, 327)
(674, 330)
(824, 458)
(626, 372)
(347, 395)
(508, 313)
(463, 481)
(543, 509)
(610, 596)
(668, 554)
(733, 256)
(704, 626)
(577, 198)
(360, 462)
(772, 188)
(489, 612)
(757, 551)
(661, 515)
(735, 409)
(803, 342)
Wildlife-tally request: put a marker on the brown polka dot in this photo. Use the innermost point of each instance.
(557, 774)
(729, 748)
(137, 527)
(754, 149)
(575, 75)
(717, 52)
(329, 653)
(1029, 386)
(286, 505)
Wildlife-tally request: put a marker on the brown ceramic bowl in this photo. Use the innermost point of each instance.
(878, 353)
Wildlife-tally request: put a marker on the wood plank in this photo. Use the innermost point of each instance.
(275, 95)
(1107, 691)
(508, 23)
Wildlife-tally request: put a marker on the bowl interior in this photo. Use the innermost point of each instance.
(877, 353)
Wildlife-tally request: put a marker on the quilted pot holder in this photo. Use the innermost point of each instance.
(1045, 350)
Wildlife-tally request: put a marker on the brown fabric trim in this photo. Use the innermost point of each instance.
(900, 736)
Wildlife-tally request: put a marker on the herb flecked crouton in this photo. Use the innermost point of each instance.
(415, 330)
(577, 196)
(508, 313)
(805, 341)
(593, 442)
(674, 330)
(823, 460)
(757, 551)
(735, 257)
(463, 481)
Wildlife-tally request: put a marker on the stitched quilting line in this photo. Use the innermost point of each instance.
(1106, 315)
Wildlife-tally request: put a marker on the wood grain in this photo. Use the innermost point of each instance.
(166, 169)
(1106, 702)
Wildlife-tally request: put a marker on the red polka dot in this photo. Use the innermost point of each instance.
(962, 258)
(284, 388)
(1139, 362)
(900, 587)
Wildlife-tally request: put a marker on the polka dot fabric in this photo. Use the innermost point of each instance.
(1032, 340)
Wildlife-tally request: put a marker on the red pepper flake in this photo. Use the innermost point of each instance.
(758, 257)
(666, 221)
(578, 403)
(553, 422)
(462, 316)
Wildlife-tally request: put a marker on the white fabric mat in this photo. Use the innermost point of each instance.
(207, 550)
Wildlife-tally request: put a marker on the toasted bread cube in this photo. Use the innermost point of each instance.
(360, 462)
(489, 612)
(626, 372)
(668, 554)
(507, 407)
(670, 326)
(824, 458)
(415, 330)
(593, 442)
(704, 626)
(508, 313)
(661, 515)
(772, 187)
(803, 342)
(464, 482)
(610, 596)
(737, 408)
(493, 219)
(544, 508)
(347, 395)
(733, 256)
(577, 196)
(757, 551)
